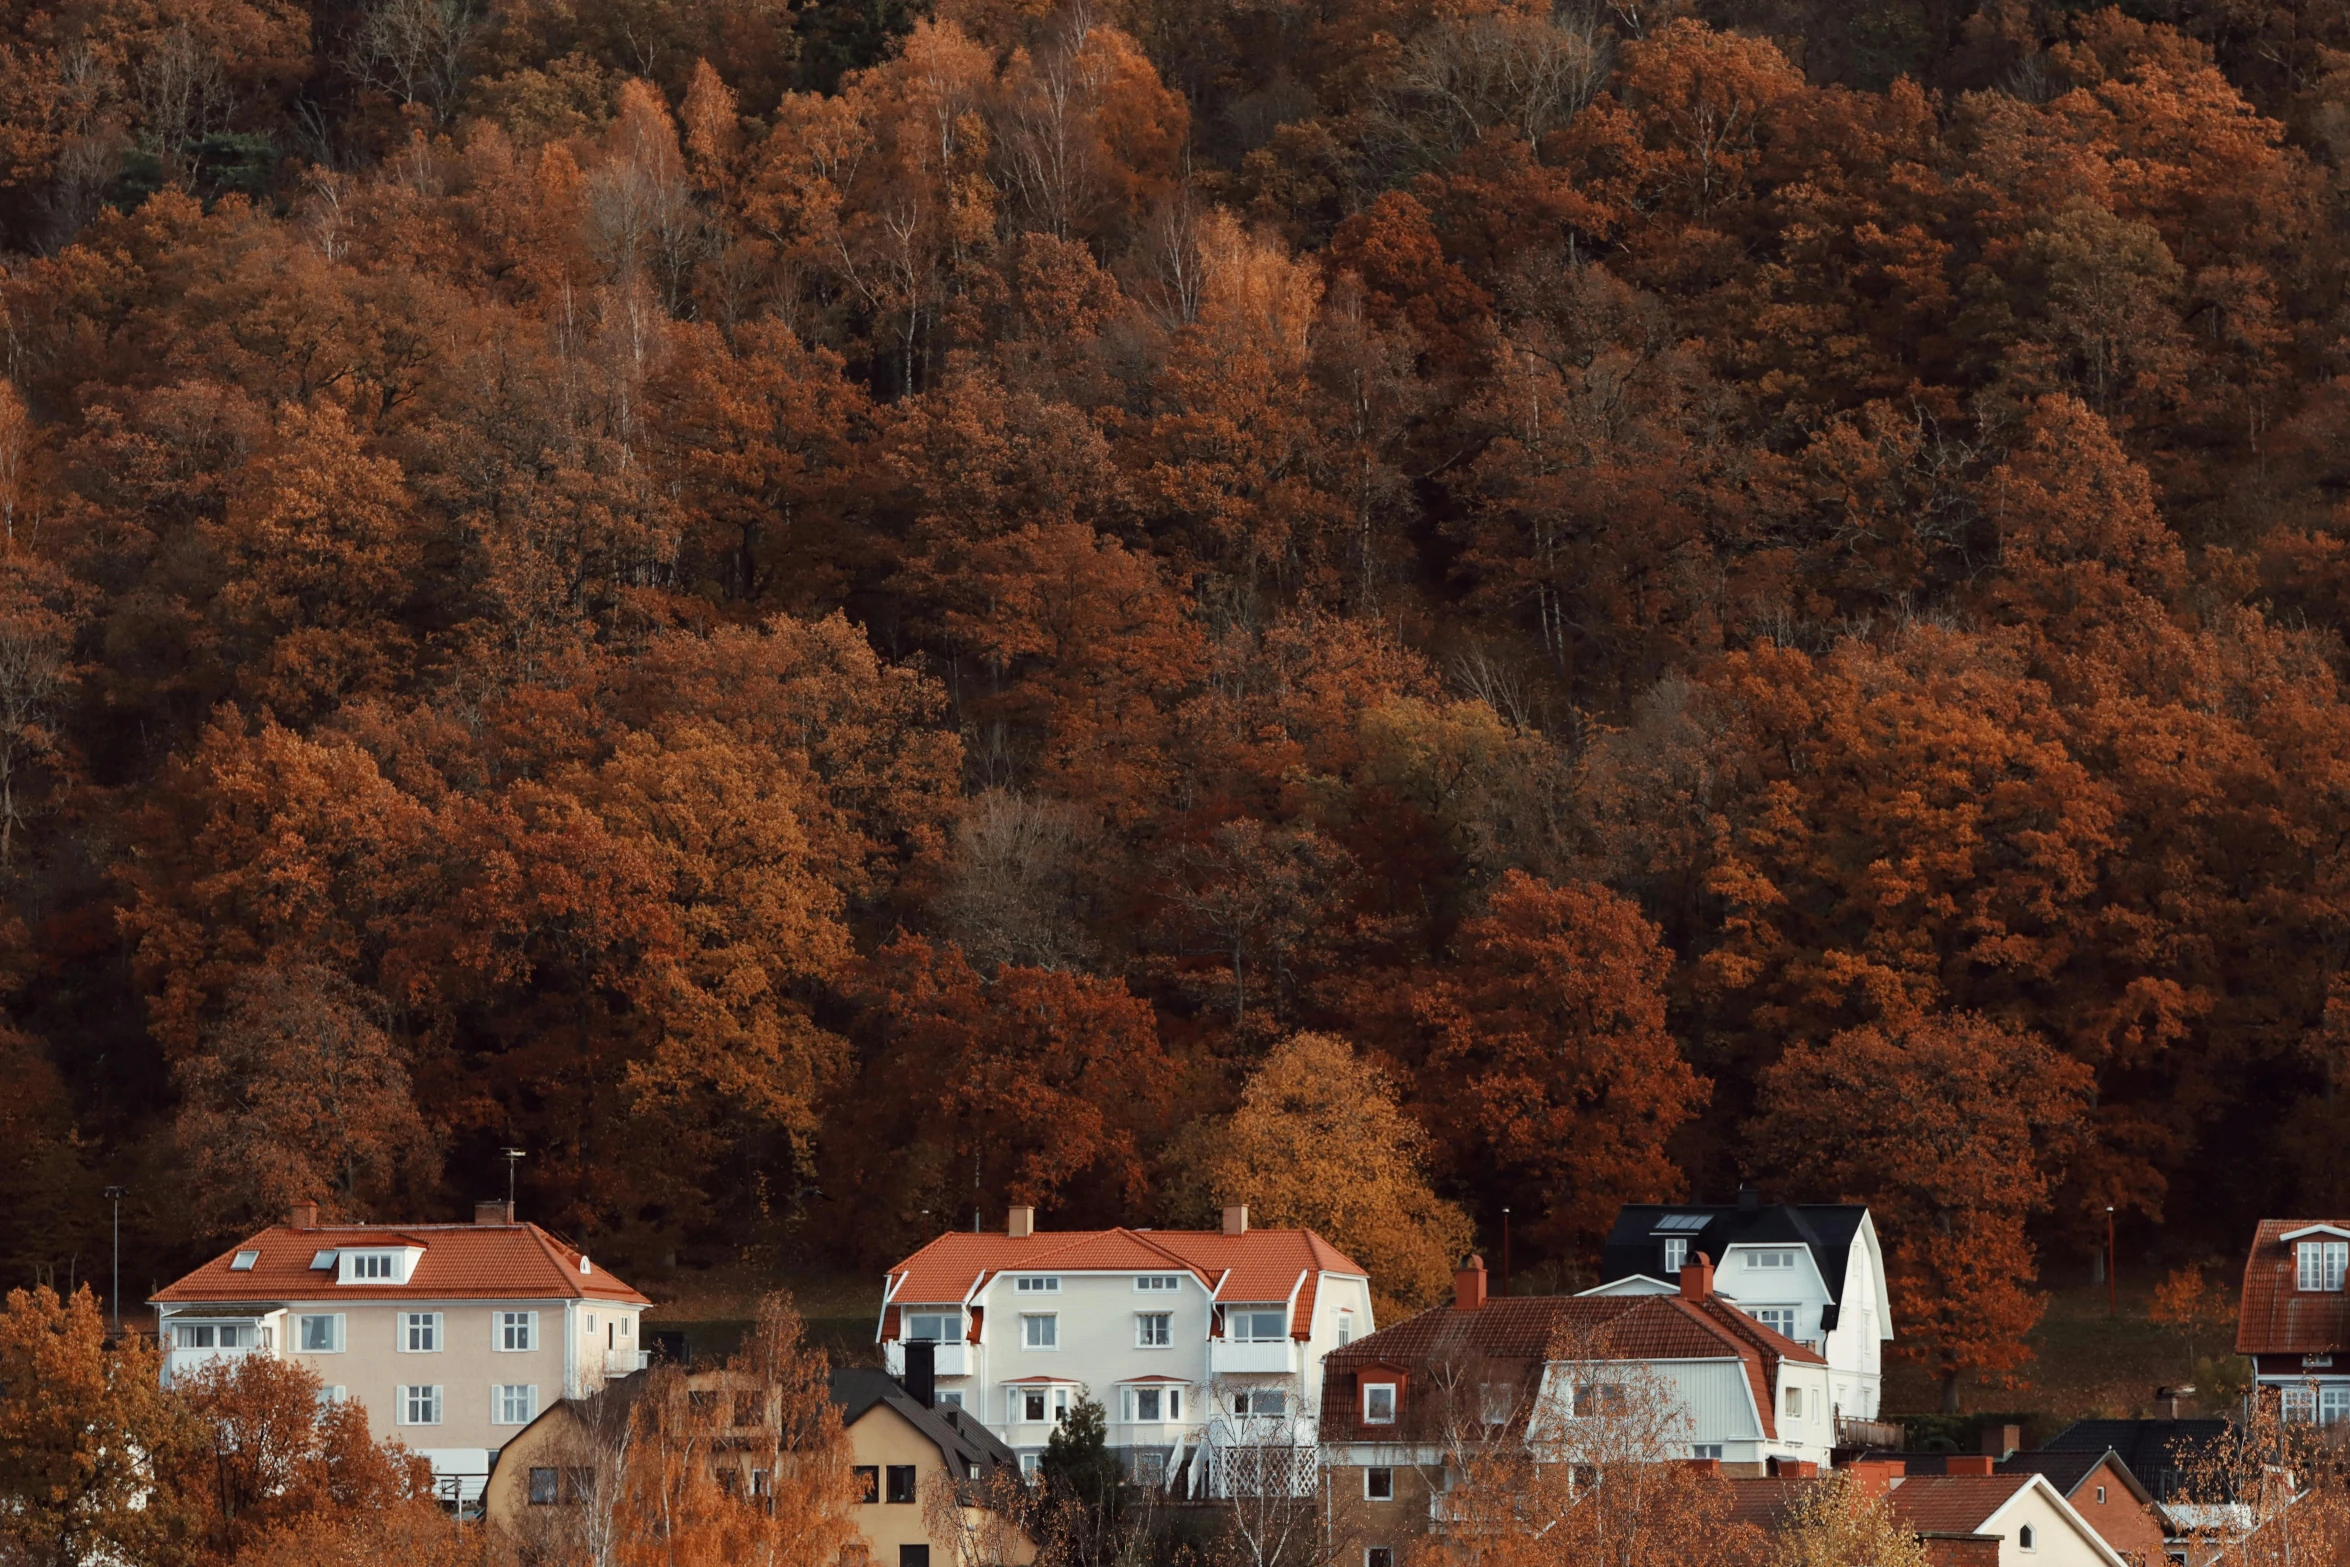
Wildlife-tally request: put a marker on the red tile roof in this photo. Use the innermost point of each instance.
(1954, 1504)
(1764, 1501)
(1523, 1331)
(1260, 1267)
(460, 1262)
(2275, 1318)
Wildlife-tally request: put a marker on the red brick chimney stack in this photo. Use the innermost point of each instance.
(1468, 1285)
(1697, 1277)
(303, 1216)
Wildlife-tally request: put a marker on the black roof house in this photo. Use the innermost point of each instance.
(2156, 1452)
(1636, 1246)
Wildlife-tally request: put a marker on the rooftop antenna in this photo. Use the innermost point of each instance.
(513, 1157)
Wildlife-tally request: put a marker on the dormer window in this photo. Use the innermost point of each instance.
(1676, 1255)
(243, 1261)
(1378, 1403)
(2320, 1265)
(1256, 1327)
(384, 1266)
(938, 1327)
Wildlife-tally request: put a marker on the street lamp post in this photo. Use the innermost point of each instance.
(513, 1157)
(115, 1195)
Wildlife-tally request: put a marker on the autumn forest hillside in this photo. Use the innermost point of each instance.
(824, 614)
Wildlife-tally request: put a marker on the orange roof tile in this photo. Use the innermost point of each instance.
(460, 1262)
(1953, 1504)
(2274, 1317)
(1261, 1266)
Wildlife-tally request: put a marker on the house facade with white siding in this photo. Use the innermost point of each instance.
(1195, 1342)
(1812, 1272)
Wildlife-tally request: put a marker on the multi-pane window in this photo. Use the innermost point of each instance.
(420, 1405)
(1153, 1330)
(2333, 1404)
(320, 1335)
(518, 1330)
(1259, 1402)
(2321, 1265)
(1346, 1328)
(1779, 1319)
(1037, 1286)
(1795, 1403)
(1676, 1254)
(949, 1398)
(373, 1265)
(1158, 1283)
(1599, 1398)
(420, 1331)
(1705, 1450)
(514, 1404)
(543, 1487)
(1041, 1331)
(1770, 1259)
(1037, 1404)
(1257, 1327)
(939, 1327)
(1149, 1404)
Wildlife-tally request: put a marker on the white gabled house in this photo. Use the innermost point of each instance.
(1811, 1272)
(1195, 1342)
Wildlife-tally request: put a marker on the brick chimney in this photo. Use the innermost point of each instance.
(1697, 1277)
(2002, 1441)
(303, 1216)
(1468, 1285)
(1875, 1476)
(1020, 1222)
(1969, 1464)
(499, 1212)
(1236, 1218)
(1794, 1469)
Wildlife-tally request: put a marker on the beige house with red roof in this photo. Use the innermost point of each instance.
(2293, 1321)
(1204, 1347)
(453, 1337)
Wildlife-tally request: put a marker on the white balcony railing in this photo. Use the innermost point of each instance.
(625, 1362)
(947, 1360)
(1237, 1469)
(178, 1363)
(1229, 1357)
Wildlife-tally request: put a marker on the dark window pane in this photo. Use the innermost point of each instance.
(868, 1483)
(901, 1482)
(542, 1487)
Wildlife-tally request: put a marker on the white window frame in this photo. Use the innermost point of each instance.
(1169, 1395)
(2297, 1405)
(244, 1261)
(1369, 1493)
(1676, 1254)
(1777, 1258)
(1773, 1317)
(326, 1395)
(1245, 1403)
(2027, 1539)
(1346, 1327)
(502, 1329)
(430, 1395)
(1705, 1450)
(1371, 1390)
(2333, 1403)
(501, 1403)
(430, 1324)
(1792, 1398)
(368, 1267)
(1037, 1284)
(939, 1314)
(335, 1325)
(1157, 1283)
(1154, 1330)
(1055, 1403)
(2320, 1266)
(1049, 1340)
(1236, 1315)
(949, 1398)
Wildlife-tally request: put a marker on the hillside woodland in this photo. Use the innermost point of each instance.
(832, 615)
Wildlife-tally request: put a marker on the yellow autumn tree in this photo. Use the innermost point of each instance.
(1320, 1140)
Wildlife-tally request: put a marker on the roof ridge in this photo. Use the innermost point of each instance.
(547, 1246)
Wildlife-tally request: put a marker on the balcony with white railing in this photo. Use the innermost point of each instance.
(1237, 1469)
(189, 1346)
(1252, 1357)
(626, 1362)
(951, 1359)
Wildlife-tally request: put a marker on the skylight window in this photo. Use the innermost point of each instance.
(325, 1259)
(1680, 1222)
(243, 1261)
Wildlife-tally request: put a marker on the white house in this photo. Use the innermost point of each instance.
(1811, 1272)
(1196, 1343)
(453, 1337)
(1722, 1386)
